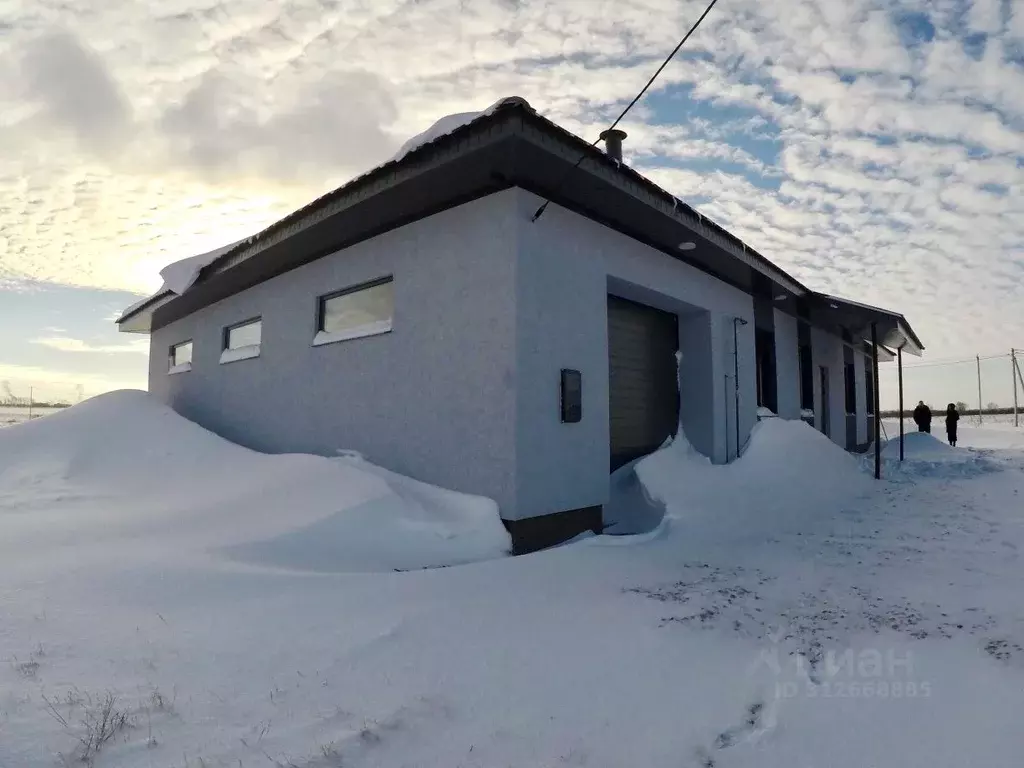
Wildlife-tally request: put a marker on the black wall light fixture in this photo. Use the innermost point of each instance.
(571, 396)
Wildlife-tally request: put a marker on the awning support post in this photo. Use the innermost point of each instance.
(878, 413)
(899, 365)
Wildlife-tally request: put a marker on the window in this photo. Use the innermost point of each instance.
(572, 396)
(806, 378)
(242, 341)
(764, 346)
(826, 402)
(851, 388)
(179, 358)
(364, 310)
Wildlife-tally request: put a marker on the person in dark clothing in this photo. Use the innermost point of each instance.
(923, 417)
(952, 417)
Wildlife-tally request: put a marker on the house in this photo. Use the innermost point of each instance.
(426, 316)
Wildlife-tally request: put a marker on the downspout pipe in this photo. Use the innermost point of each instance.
(736, 323)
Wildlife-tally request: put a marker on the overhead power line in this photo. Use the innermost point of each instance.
(941, 363)
(544, 205)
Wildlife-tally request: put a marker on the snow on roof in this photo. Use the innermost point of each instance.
(444, 126)
(128, 311)
(179, 275)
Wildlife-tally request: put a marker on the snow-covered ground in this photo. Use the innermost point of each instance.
(16, 414)
(790, 612)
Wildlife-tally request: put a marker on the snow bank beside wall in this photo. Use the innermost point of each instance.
(787, 466)
(138, 480)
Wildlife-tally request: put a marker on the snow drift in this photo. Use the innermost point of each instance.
(787, 466)
(918, 445)
(133, 476)
(926, 455)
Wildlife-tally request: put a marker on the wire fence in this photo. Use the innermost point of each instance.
(985, 388)
(24, 400)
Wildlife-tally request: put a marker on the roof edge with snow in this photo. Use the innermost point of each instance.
(448, 142)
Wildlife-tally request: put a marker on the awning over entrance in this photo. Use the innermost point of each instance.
(891, 328)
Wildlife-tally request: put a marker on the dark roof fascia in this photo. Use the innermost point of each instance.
(156, 298)
(892, 328)
(466, 138)
(505, 162)
(346, 222)
(515, 120)
(569, 204)
(511, 117)
(554, 138)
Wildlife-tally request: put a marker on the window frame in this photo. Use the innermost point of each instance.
(321, 306)
(850, 388)
(229, 354)
(226, 333)
(766, 369)
(869, 385)
(173, 367)
(805, 365)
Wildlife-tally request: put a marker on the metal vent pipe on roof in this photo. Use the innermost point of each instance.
(613, 143)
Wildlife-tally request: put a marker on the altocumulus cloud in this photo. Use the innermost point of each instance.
(873, 148)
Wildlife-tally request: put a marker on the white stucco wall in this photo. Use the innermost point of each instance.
(567, 266)
(434, 399)
(827, 350)
(489, 307)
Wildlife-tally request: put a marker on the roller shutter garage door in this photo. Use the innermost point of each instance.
(643, 389)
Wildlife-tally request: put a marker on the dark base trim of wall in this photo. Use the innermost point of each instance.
(533, 533)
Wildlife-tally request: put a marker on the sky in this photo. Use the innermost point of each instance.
(873, 149)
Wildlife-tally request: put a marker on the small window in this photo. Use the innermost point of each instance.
(851, 388)
(806, 378)
(179, 359)
(571, 396)
(365, 310)
(242, 341)
(764, 349)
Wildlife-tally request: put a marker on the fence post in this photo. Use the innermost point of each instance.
(1013, 375)
(977, 359)
(1019, 376)
(899, 364)
(878, 413)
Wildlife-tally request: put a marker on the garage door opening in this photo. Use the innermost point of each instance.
(643, 385)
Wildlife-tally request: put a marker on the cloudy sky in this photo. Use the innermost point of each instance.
(874, 149)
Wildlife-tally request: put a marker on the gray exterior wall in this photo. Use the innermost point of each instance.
(827, 350)
(464, 392)
(434, 399)
(787, 365)
(567, 266)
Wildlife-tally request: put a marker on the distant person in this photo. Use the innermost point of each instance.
(923, 417)
(952, 417)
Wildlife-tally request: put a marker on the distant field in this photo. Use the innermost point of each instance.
(999, 420)
(15, 414)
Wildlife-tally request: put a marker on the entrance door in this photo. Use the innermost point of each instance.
(643, 385)
(826, 403)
